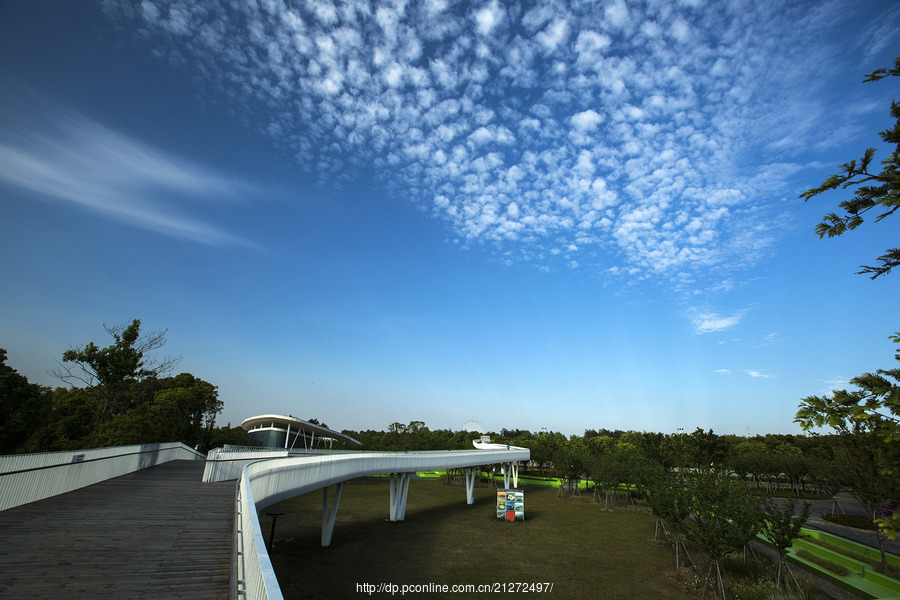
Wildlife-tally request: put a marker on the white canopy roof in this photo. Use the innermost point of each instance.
(295, 424)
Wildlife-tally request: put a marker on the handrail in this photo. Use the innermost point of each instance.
(30, 477)
(86, 460)
(267, 481)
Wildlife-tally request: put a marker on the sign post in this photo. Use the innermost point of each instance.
(511, 504)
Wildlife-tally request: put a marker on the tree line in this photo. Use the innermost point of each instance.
(115, 395)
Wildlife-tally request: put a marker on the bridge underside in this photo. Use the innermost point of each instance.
(399, 492)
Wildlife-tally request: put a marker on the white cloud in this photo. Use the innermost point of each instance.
(750, 372)
(586, 120)
(713, 322)
(616, 14)
(834, 384)
(553, 35)
(613, 125)
(757, 374)
(488, 17)
(67, 157)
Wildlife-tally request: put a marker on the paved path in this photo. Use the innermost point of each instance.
(156, 533)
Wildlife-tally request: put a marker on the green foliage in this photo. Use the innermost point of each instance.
(114, 374)
(622, 463)
(414, 436)
(781, 526)
(669, 500)
(879, 191)
(876, 402)
(121, 399)
(185, 408)
(867, 421)
(857, 521)
(24, 408)
(235, 436)
(570, 460)
(725, 515)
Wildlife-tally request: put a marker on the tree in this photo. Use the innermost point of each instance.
(670, 501)
(111, 372)
(871, 411)
(878, 191)
(725, 518)
(867, 436)
(185, 409)
(24, 408)
(569, 460)
(706, 449)
(781, 527)
(543, 447)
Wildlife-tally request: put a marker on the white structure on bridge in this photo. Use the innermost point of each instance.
(291, 433)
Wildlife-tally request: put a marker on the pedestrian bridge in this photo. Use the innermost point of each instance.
(264, 478)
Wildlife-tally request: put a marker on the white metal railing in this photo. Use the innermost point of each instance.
(227, 464)
(26, 478)
(267, 481)
(254, 575)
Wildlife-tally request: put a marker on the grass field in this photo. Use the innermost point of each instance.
(584, 551)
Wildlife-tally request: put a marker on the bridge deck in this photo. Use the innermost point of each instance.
(156, 533)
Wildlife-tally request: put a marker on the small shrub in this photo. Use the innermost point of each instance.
(857, 521)
(764, 588)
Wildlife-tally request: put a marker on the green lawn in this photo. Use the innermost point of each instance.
(584, 551)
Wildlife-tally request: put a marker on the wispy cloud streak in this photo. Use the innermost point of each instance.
(713, 322)
(65, 156)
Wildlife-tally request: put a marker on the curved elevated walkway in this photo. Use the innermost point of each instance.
(163, 533)
(266, 482)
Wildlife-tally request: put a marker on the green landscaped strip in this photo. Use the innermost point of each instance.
(863, 580)
(851, 548)
(430, 474)
(851, 565)
(529, 480)
(833, 567)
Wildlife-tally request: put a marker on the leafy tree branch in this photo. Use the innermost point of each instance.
(873, 190)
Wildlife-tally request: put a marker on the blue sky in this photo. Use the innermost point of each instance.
(533, 215)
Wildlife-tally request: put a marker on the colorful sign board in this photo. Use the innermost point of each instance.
(511, 505)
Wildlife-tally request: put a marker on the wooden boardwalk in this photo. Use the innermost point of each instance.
(156, 533)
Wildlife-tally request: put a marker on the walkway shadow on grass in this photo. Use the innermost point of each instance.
(445, 541)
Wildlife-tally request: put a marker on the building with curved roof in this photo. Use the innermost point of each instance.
(291, 433)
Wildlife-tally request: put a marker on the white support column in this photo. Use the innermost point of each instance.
(515, 474)
(470, 486)
(505, 468)
(329, 513)
(399, 486)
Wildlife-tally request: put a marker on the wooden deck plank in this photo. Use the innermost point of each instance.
(156, 533)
